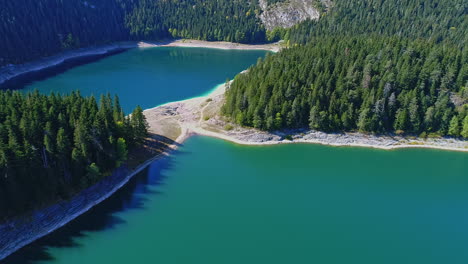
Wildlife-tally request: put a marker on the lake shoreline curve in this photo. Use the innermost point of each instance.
(179, 121)
(202, 116)
(22, 231)
(10, 72)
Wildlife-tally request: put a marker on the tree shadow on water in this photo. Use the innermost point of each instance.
(132, 196)
(28, 78)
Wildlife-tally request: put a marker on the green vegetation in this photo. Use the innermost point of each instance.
(223, 20)
(380, 66)
(54, 26)
(53, 146)
(272, 2)
(435, 20)
(51, 26)
(363, 69)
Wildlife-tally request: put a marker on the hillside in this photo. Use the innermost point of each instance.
(50, 26)
(287, 13)
(370, 66)
(429, 19)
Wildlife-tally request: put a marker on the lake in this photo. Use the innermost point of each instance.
(217, 202)
(152, 76)
(212, 201)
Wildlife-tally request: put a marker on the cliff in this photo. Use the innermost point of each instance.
(288, 13)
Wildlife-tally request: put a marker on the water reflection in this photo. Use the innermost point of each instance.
(132, 196)
(25, 79)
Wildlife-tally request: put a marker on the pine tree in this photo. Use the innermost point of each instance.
(376, 84)
(122, 152)
(454, 129)
(63, 143)
(75, 147)
(139, 125)
(464, 132)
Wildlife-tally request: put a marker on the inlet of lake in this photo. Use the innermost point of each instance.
(212, 201)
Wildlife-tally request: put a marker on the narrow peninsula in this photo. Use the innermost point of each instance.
(201, 115)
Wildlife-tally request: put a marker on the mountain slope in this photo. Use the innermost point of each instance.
(287, 13)
(366, 71)
(52, 26)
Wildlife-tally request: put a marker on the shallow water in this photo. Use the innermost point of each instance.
(152, 76)
(217, 202)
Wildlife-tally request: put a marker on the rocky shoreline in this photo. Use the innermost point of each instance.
(10, 72)
(191, 43)
(178, 121)
(201, 116)
(24, 230)
(13, 71)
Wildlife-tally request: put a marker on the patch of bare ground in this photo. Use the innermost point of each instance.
(154, 146)
(202, 116)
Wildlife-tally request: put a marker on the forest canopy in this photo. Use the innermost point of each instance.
(378, 66)
(370, 66)
(52, 26)
(54, 146)
(434, 20)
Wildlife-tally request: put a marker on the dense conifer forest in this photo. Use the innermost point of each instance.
(435, 20)
(380, 66)
(372, 66)
(52, 26)
(221, 20)
(53, 146)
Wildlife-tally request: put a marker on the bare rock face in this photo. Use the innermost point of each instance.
(290, 12)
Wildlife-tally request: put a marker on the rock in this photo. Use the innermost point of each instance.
(290, 12)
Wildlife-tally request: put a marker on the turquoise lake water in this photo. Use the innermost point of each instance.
(216, 202)
(212, 201)
(152, 76)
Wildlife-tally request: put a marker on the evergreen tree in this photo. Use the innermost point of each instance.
(464, 132)
(454, 129)
(75, 24)
(122, 151)
(367, 83)
(139, 125)
(74, 148)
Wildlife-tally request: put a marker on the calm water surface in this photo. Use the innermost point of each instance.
(216, 202)
(152, 76)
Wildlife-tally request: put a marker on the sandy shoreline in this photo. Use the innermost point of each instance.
(201, 116)
(191, 43)
(178, 121)
(12, 71)
(20, 232)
